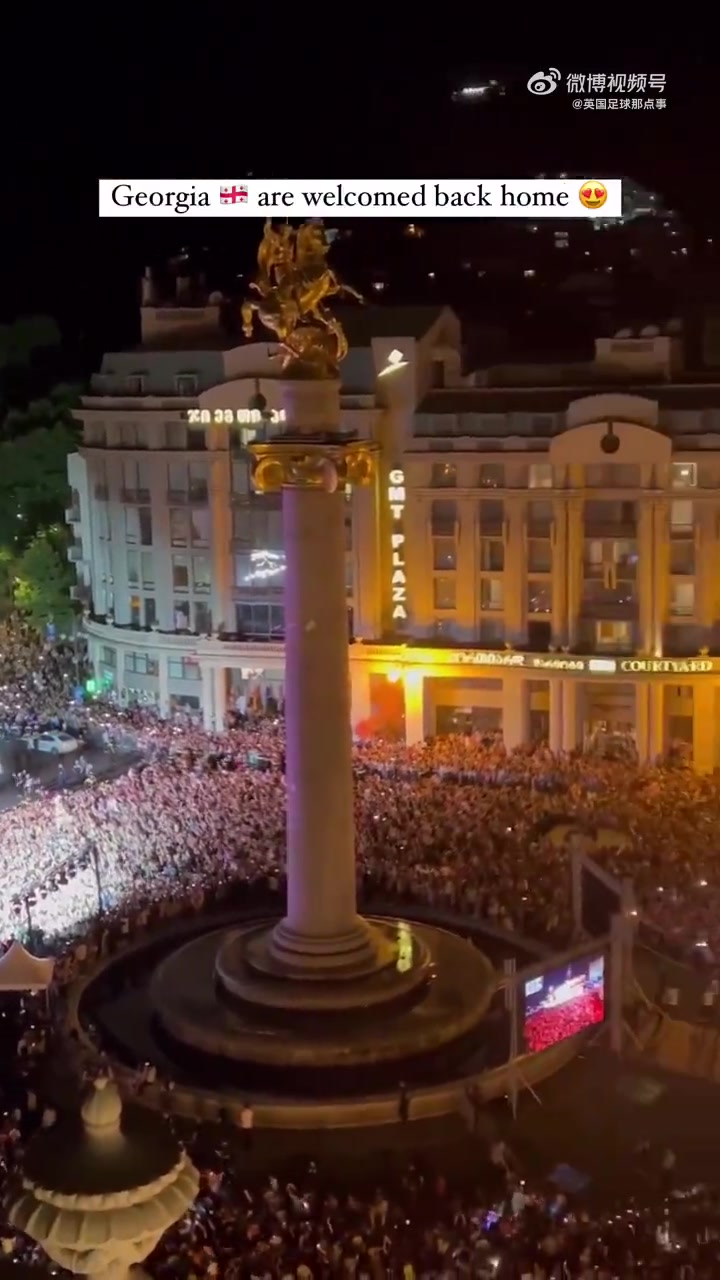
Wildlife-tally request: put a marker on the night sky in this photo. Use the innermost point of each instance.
(279, 100)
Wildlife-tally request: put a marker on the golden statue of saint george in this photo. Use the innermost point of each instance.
(291, 288)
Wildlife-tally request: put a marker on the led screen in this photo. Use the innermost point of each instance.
(564, 1001)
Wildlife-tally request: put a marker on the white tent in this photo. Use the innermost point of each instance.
(19, 971)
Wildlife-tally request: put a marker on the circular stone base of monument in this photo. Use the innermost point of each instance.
(389, 971)
(282, 953)
(212, 997)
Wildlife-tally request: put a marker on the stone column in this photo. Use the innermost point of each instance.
(414, 708)
(220, 696)
(559, 575)
(646, 578)
(208, 700)
(575, 546)
(516, 712)
(361, 705)
(704, 726)
(656, 719)
(322, 932)
(163, 690)
(556, 714)
(570, 697)
(643, 734)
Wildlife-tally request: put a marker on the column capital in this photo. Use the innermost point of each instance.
(323, 462)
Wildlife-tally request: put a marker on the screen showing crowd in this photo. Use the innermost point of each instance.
(564, 1001)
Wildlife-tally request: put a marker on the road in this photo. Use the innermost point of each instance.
(15, 756)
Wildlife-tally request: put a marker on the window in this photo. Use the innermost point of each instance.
(138, 526)
(186, 384)
(682, 599)
(178, 478)
(613, 635)
(539, 555)
(624, 554)
(539, 514)
(179, 527)
(181, 612)
(242, 520)
(259, 621)
(540, 476)
(444, 553)
(135, 611)
(492, 514)
(198, 482)
(94, 433)
(108, 657)
(492, 631)
(682, 556)
(140, 664)
(492, 555)
(443, 518)
(147, 570)
(203, 618)
(201, 575)
(135, 384)
(133, 568)
(542, 424)
(174, 435)
(180, 573)
(492, 475)
(681, 515)
(491, 594)
(200, 527)
(241, 476)
(612, 475)
(150, 612)
(196, 438)
(443, 475)
(129, 435)
(183, 669)
(684, 475)
(539, 596)
(444, 593)
(136, 480)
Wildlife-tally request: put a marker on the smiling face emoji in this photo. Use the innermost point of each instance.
(593, 194)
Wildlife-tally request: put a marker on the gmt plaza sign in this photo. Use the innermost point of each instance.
(396, 495)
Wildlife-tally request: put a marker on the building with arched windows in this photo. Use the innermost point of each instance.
(539, 557)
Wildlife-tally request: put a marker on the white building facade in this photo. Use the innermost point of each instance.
(539, 557)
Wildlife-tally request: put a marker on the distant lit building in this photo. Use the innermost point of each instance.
(538, 558)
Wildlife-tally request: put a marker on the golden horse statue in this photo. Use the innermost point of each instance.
(293, 281)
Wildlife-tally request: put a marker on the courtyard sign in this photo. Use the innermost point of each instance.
(591, 666)
(398, 575)
(667, 666)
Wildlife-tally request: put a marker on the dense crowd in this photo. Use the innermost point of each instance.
(457, 824)
(411, 1221)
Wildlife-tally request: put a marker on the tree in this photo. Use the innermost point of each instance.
(25, 337)
(33, 482)
(42, 583)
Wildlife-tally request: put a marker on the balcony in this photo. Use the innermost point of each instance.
(618, 603)
(75, 552)
(72, 515)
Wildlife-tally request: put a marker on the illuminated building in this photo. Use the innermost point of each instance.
(539, 556)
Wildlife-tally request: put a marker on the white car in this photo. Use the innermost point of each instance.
(54, 740)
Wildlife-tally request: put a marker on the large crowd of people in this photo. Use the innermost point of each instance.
(458, 824)
(397, 1219)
